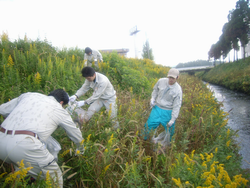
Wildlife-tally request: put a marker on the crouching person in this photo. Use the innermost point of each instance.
(30, 120)
(103, 95)
(166, 103)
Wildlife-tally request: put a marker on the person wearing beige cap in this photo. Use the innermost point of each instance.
(166, 103)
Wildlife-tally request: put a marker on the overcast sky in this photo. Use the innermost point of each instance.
(178, 31)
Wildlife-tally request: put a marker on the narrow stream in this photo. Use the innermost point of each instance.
(239, 117)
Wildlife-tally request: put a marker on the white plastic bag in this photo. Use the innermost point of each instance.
(77, 113)
(71, 107)
(163, 138)
(53, 146)
(80, 114)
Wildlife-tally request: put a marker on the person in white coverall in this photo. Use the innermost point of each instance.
(103, 95)
(166, 102)
(30, 119)
(92, 55)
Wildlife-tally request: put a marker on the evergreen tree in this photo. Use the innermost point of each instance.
(147, 52)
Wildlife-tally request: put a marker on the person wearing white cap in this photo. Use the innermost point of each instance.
(166, 102)
(92, 56)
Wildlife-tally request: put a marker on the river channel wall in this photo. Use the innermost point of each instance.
(233, 75)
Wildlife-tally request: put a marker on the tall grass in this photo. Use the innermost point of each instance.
(202, 153)
(234, 75)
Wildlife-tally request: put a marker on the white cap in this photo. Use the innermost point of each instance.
(173, 73)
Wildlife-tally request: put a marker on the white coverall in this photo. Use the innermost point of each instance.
(168, 97)
(95, 56)
(42, 115)
(103, 95)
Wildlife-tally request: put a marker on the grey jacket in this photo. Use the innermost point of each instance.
(168, 97)
(40, 114)
(102, 87)
(95, 56)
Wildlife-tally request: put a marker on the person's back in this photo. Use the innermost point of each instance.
(35, 112)
(30, 120)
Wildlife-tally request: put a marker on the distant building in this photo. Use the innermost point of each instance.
(122, 52)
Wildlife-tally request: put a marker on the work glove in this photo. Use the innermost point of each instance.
(81, 103)
(170, 123)
(72, 98)
(152, 102)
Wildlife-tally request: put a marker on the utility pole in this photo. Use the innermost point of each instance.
(133, 31)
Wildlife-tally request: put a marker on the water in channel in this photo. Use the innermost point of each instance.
(239, 117)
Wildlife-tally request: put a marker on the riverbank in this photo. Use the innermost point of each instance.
(234, 76)
(238, 106)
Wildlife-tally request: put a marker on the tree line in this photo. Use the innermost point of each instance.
(194, 64)
(234, 31)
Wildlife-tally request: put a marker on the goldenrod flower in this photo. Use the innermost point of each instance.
(111, 139)
(88, 138)
(73, 58)
(106, 168)
(228, 157)
(37, 78)
(228, 143)
(48, 182)
(82, 142)
(228, 132)
(177, 182)
(202, 157)
(3, 174)
(65, 153)
(10, 61)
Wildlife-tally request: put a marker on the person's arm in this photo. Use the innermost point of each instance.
(155, 91)
(99, 56)
(69, 126)
(85, 87)
(8, 107)
(176, 107)
(85, 60)
(100, 89)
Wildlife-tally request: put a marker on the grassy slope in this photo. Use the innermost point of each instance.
(122, 158)
(235, 76)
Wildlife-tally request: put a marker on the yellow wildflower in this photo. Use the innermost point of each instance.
(10, 61)
(3, 174)
(228, 157)
(65, 153)
(37, 78)
(202, 157)
(48, 182)
(82, 141)
(177, 181)
(88, 138)
(111, 139)
(106, 168)
(228, 132)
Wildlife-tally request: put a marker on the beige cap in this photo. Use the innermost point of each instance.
(173, 73)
